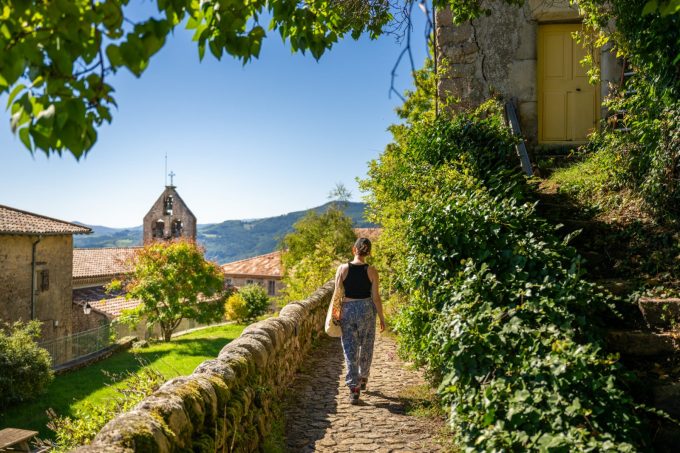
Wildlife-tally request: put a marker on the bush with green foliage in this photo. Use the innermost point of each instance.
(25, 367)
(312, 251)
(497, 309)
(247, 304)
(88, 420)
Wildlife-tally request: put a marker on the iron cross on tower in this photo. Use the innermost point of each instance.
(172, 175)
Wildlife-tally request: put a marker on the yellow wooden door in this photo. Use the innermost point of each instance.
(568, 106)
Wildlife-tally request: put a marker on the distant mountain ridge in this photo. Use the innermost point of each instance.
(224, 242)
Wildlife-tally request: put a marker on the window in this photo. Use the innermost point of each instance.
(249, 282)
(228, 281)
(177, 228)
(158, 230)
(44, 280)
(271, 287)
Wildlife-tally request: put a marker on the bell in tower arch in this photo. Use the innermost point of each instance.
(168, 205)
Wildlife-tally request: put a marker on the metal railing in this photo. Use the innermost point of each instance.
(74, 346)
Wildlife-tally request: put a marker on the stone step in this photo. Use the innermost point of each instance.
(660, 313)
(617, 286)
(643, 344)
(666, 438)
(667, 398)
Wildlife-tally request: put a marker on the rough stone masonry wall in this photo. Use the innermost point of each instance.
(226, 403)
(53, 254)
(180, 211)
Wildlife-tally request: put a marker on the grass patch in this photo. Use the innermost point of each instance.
(275, 442)
(620, 237)
(591, 179)
(71, 391)
(421, 401)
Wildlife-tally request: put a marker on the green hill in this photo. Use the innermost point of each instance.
(224, 242)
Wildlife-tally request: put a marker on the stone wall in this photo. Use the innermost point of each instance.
(226, 404)
(82, 322)
(54, 259)
(496, 55)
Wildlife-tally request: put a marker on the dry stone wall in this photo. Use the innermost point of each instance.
(226, 403)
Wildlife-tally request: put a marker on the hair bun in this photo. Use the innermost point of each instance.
(363, 246)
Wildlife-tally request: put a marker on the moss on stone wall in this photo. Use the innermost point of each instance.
(227, 403)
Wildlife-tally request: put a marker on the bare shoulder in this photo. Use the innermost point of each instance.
(342, 269)
(372, 272)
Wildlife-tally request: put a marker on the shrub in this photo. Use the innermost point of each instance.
(498, 310)
(257, 300)
(250, 302)
(25, 367)
(235, 308)
(71, 432)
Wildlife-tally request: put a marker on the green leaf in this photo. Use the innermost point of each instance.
(25, 138)
(17, 89)
(201, 50)
(113, 54)
(649, 7)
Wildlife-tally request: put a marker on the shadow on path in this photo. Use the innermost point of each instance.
(319, 417)
(313, 397)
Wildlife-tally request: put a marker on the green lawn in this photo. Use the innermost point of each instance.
(70, 390)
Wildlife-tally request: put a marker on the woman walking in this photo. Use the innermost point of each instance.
(357, 316)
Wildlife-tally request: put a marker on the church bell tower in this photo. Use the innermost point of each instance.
(169, 218)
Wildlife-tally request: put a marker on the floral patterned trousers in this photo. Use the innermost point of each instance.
(358, 334)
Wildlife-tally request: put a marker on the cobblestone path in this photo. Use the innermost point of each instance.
(319, 417)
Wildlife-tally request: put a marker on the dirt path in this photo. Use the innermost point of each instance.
(320, 418)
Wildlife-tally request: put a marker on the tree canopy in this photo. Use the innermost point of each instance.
(56, 57)
(311, 252)
(173, 282)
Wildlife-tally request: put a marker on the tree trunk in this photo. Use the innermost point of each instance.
(167, 334)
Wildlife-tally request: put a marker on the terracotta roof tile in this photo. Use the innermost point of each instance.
(110, 304)
(370, 233)
(15, 221)
(268, 265)
(99, 262)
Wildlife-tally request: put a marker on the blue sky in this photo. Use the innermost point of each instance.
(251, 141)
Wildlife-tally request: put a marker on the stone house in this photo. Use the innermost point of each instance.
(36, 266)
(264, 270)
(169, 218)
(527, 55)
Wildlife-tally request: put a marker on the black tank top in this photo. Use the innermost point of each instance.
(357, 285)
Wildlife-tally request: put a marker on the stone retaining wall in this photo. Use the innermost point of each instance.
(225, 405)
